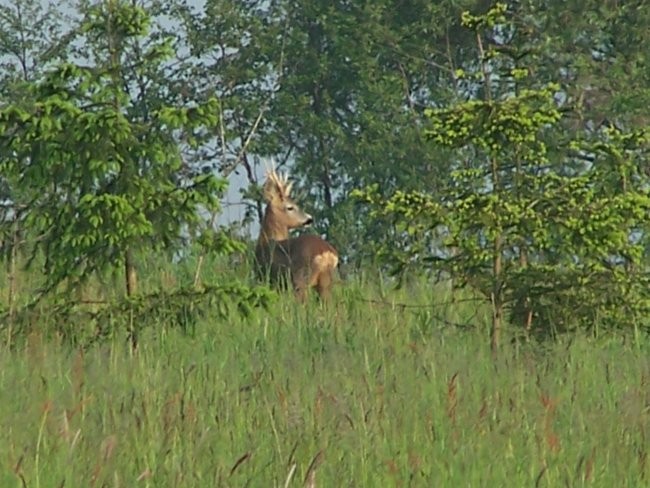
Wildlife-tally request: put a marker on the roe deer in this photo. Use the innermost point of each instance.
(306, 261)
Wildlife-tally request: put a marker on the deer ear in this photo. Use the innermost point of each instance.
(271, 191)
(274, 189)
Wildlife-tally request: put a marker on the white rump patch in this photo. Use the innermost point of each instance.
(326, 260)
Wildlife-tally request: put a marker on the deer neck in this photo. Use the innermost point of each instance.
(272, 230)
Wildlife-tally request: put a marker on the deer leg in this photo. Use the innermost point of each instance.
(300, 285)
(301, 294)
(324, 284)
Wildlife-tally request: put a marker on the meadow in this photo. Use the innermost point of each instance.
(381, 388)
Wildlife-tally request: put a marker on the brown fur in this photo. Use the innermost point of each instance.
(306, 261)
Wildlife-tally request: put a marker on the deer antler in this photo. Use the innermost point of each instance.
(278, 183)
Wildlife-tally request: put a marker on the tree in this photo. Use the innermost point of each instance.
(336, 91)
(596, 50)
(102, 178)
(541, 224)
(350, 108)
(32, 37)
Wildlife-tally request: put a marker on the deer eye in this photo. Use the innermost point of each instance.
(290, 208)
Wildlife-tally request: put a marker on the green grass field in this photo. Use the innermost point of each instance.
(363, 393)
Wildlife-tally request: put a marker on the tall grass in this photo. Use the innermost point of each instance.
(366, 392)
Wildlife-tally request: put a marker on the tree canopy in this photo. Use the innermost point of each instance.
(502, 146)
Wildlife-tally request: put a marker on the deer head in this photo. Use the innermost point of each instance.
(282, 212)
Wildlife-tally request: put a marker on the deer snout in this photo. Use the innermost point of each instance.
(308, 219)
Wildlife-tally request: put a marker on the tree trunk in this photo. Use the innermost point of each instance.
(12, 280)
(131, 279)
(130, 274)
(326, 177)
(526, 302)
(497, 298)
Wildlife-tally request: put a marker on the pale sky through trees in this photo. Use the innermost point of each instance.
(233, 204)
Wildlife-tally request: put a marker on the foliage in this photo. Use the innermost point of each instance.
(596, 50)
(32, 38)
(540, 230)
(99, 180)
(338, 93)
(32, 35)
(87, 324)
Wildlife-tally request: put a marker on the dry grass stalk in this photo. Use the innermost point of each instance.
(240, 461)
(310, 477)
(292, 470)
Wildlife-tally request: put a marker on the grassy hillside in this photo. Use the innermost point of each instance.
(363, 393)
